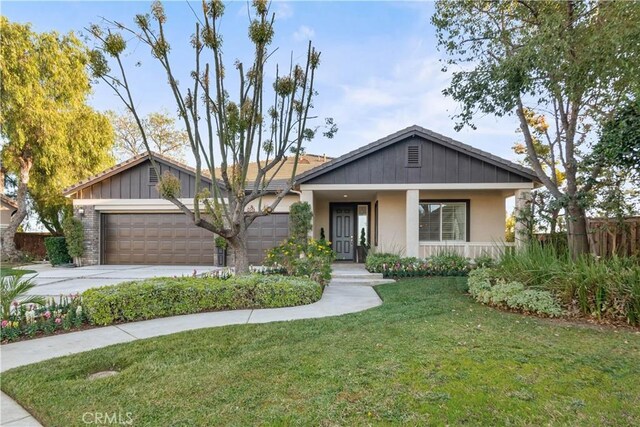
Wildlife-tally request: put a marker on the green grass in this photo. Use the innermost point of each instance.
(428, 355)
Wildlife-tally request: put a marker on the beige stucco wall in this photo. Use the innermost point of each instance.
(5, 215)
(488, 211)
(391, 224)
(283, 206)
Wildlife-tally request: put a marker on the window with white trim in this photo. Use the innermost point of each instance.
(443, 221)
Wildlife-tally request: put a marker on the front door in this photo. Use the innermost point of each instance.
(343, 218)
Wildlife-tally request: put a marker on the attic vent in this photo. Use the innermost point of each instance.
(414, 159)
(153, 176)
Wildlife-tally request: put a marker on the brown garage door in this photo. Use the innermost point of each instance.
(155, 239)
(264, 233)
(173, 239)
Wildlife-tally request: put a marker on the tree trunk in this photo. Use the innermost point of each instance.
(577, 230)
(240, 256)
(9, 250)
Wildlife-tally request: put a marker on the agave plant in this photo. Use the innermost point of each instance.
(14, 288)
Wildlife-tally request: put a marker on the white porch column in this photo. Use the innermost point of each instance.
(412, 223)
(307, 196)
(522, 211)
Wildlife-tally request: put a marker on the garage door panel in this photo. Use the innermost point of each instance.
(155, 239)
(265, 233)
(173, 239)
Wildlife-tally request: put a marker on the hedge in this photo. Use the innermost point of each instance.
(160, 297)
(57, 250)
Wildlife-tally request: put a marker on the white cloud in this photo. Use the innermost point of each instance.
(283, 10)
(371, 96)
(304, 33)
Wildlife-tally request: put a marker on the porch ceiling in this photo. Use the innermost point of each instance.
(339, 195)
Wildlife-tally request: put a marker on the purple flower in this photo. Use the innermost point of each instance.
(58, 320)
(47, 314)
(5, 323)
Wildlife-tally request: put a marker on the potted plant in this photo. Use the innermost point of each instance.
(221, 247)
(363, 247)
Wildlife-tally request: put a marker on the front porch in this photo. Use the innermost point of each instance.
(413, 222)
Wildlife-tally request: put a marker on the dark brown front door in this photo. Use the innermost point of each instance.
(343, 219)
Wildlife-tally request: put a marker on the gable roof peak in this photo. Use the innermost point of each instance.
(416, 130)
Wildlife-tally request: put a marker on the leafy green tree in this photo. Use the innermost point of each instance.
(618, 189)
(573, 61)
(50, 137)
(254, 123)
(160, 129)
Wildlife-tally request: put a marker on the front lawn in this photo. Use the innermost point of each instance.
(428, 355)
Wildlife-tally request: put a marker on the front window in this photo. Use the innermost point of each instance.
(443, 221)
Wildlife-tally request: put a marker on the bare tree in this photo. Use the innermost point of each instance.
(164, 137)
(222, 132)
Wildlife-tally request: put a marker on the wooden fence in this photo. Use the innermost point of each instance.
(609, 236)
(32, 244)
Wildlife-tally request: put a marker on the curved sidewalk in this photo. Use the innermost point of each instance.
(336, 300)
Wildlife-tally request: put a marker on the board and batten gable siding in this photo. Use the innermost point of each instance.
(134, 183)
(438, 164)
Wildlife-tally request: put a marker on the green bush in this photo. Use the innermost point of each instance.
(484, 261)
(501, 292)
(312, 260)
(376, 261)
(300, 216)
(74, 236)
(160, 297)
(443, 264)
(606, 288)
(535, 301)
(487, 288)
(57, 250)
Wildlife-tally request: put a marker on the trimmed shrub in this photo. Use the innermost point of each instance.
(312, 260)
(376, 261)
(160, 297)
(443, 264)
(74, 236)
(57, 250)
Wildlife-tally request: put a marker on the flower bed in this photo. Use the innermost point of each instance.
(160, 297)
(393, 266)
(311, 259)
(31, 320)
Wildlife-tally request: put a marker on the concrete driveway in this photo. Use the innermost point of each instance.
(56, 281)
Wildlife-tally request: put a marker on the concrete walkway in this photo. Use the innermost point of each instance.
(336, 300)
(54, 281)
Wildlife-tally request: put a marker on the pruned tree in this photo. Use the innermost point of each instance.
(160, 129)
(261, 124)
(49, 134)
(572, 61)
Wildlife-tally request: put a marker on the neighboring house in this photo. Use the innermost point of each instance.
(8, 207)
(414, 192)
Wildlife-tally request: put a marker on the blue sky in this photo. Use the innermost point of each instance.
(379, 71)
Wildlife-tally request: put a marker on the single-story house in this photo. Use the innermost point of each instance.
(414, 192)
(8, 208)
